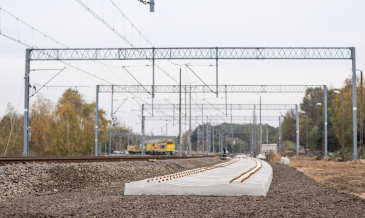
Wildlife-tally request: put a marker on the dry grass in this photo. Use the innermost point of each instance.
(344, 176)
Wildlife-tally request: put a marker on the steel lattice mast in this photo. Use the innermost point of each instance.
(215, 53)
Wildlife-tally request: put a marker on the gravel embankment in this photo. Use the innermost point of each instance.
(37, 179)
(292, 194)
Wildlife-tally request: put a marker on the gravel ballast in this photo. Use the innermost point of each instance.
(292, 194)
(37, 179)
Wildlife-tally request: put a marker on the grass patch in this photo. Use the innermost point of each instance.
(290, 144)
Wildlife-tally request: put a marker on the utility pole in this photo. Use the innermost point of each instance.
(180, 138)
(254, 129)
(210, 139)
(221, 148)
(26, 104)
(216, 135)
(143, 137)
(207, 137)
(306, 116)
(152, 5)
(361, 121)
(203, 140)
(111, 108)
(297, 129)
(110, 142)
(342, 145)
(96, 120)
(251, 136)
(343, 130)
(324, 129)
(226, 143)
(232, 129)
(226, 100)
(325, 123)
(219, 144)
(260, 140)
(190, 125)
(279, 135)
(267, 135)
(198, 134)
(213, 140)
(185, 123)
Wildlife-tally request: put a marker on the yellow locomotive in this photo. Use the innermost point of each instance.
(154, 146)
(133, 149)
(160, 146)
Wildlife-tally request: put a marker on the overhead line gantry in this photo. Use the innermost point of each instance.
(221, 88)
(202, 53)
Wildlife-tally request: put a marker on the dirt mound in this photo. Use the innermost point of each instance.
(327, 159)
(345, 176)
(338, 159)
(288, 153)
(275, 157)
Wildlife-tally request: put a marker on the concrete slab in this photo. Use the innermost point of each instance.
(284, 160)
(211, 181)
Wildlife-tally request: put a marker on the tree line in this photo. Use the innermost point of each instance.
(67, 128)
(314, 118)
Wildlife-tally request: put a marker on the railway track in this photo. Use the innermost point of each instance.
(16, 160)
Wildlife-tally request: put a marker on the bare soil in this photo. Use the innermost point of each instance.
(292, 194)
(348, 177)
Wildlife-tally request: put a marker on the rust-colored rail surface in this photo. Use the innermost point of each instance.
(4, 160)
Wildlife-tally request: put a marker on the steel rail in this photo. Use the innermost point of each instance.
(4, 160)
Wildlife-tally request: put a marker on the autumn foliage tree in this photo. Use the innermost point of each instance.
(11, 124)
(64, 129)
(73, 125)
(346, 90)
(289, 126)
(67, 128)
(41, 122)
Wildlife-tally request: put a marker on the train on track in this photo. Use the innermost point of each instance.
(160, 146)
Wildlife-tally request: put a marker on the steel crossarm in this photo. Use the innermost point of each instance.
(169, 107)
(213, 53)
(209, 88)
(214, 118)
(191, 53)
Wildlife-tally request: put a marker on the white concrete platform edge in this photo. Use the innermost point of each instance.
(214, 182)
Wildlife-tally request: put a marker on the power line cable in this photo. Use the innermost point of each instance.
(120, 105)
(118, 34)
(199, 78)
(40, 32)
(136, 80)
(58, 43)
(47, 83)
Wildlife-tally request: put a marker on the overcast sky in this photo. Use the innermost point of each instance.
(186, 23)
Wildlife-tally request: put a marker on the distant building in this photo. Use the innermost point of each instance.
(268, 147)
